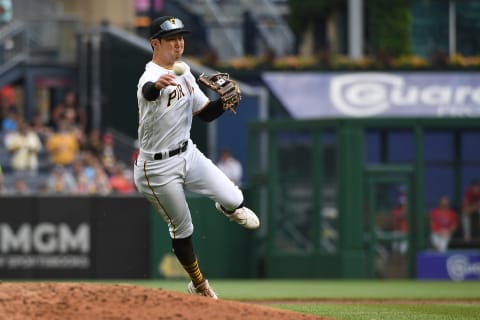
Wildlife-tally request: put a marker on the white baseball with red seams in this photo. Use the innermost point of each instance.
(164, 125)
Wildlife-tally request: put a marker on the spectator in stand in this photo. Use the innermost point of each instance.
(8, 100)
(471, 211)
(90, 161)
(400, 221)
(70, 111)
(90, 175)
(9, 122)
(60, 181)
(24, 146)
(4, 190)
(443, 223)
(63, 146)
(83, 178)
(3, 187)
(101, 181)
(39, 126)
(21, 187)
(122, 180)
(77, 167)
(80, 136)
(43, 188)
(230, 166)
(83, 185)
(107, 156)
(94, 142)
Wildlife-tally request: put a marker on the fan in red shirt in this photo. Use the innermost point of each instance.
(400, 222)
(120, 181)
(471, 211)
(443, 223)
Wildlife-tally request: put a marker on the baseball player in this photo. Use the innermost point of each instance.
(169, 163)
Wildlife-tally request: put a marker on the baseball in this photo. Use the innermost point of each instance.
(179, 68)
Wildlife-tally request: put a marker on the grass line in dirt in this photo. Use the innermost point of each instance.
(332, 289)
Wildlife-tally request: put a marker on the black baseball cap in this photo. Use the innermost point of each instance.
(166, 26)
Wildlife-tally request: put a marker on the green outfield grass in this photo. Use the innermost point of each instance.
(390, 311)
(289, 294)
(334, 289)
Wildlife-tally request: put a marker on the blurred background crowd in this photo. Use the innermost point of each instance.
(59, 156)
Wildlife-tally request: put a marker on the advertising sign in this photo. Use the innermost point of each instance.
(74, 237)
(44, 245)
(376, 94)
(47, 237)
(456, 266)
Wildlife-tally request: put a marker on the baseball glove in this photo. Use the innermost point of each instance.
(227, 89)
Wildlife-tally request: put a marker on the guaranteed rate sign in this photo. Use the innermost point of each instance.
(375, 94)
(453, 265)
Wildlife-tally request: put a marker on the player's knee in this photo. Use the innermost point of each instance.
(181, 231)
(233, 201)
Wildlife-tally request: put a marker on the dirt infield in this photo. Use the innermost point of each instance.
(78, 301)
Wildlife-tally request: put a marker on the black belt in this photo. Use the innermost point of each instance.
(171, 153)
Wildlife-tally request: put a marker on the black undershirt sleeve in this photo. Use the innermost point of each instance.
(212, 111)
(149, 91)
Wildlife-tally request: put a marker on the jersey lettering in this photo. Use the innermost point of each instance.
(175, 94)
(189, 87)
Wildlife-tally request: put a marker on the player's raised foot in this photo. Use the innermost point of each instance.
(203, 289)
(243, 216)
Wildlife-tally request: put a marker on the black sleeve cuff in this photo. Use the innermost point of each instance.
(150, 92)
(212, 111)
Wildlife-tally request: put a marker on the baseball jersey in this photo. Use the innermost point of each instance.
(469, 198)
(165, 122)
(442, 219)
(400, 222)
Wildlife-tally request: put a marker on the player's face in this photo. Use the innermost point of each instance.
(171, 48)
(444, 202)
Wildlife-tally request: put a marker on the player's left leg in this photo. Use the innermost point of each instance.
(183, 249)
(204, 177)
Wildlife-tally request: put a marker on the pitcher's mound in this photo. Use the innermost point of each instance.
(75, 301)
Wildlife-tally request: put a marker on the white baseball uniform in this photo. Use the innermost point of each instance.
(164, 126)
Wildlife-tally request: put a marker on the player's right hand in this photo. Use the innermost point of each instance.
(165, 80)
